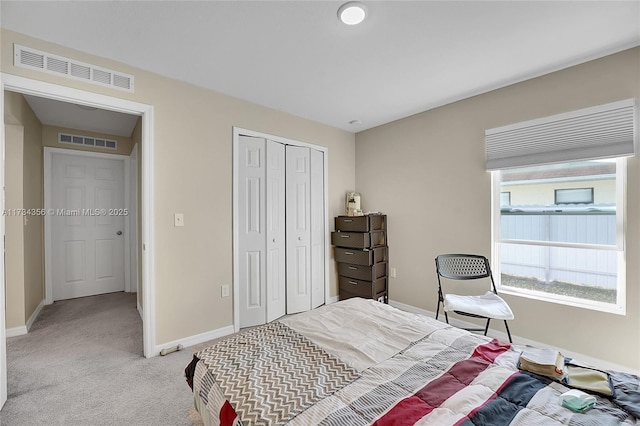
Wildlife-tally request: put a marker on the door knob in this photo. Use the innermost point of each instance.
(119, 233)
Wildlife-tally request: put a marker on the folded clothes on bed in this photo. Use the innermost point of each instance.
(587, 379)
(627, 391)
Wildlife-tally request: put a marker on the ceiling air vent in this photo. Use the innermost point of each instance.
(87, 141)
(27, 57)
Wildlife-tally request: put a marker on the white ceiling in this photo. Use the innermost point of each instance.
(296, 56)
(62, 114)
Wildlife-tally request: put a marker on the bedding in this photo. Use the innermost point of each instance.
(361, 362)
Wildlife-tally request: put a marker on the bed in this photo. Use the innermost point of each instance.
(361, 362)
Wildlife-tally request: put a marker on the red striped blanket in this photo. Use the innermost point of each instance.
(464, 383)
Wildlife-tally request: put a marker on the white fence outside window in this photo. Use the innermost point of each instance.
(583, 266)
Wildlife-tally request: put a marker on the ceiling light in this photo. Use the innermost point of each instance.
(352, 13)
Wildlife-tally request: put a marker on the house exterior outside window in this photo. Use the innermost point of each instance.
(561, 237)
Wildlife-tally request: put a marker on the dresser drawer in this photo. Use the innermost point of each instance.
(363, 272)
(359, 239)
(361, 223)
(360, 288)
(360, 257)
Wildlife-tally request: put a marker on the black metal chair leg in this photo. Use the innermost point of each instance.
(508, 332)
(486, 329)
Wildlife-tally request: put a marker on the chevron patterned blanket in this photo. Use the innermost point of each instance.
(294, 374)
(271, 373)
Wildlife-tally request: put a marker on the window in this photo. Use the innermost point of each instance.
(555, 241)
(574, 196)
(562, 237)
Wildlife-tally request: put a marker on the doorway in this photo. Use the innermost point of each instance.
(85, 236)
(61, 93)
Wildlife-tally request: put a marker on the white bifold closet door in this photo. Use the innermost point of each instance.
(281, 232)
(276, 242)
(318, 231)
(261, 239)
(305, 229)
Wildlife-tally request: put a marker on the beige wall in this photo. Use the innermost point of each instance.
(24, 183)
(14, 268)
(50, 138)
(193, 175)
(427, 172)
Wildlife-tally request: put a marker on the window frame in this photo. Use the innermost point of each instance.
(620, 247)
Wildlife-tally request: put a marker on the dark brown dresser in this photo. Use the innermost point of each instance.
(362, 256)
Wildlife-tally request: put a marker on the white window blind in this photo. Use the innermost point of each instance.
(604, 131)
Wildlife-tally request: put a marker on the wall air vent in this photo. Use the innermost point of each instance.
(87, 141)
(27, 57)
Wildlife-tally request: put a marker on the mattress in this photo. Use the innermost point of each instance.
(361, 362)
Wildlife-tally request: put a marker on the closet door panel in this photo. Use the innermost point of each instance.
(252, 235)
(298, 217)
(276, 231)
(318, 234)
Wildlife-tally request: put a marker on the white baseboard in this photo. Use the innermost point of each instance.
(209, 335)
(34, 316)
(586, 359)
(24, 329)
(141, 312)
(16, 331)
(198, 338)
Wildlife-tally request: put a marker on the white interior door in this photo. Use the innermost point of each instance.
(317, 228)
(276, 232)
(251, 232)
(298, 219)
(87, 195)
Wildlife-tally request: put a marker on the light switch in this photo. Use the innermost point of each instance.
(178, 219)
(393, 272)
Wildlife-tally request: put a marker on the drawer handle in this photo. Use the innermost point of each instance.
(348, 253)
(348, 220)
(345, 236)
(353, 283)
(353, 268)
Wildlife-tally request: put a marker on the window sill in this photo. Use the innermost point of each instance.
(609, 308)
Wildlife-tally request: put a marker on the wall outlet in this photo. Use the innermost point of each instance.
(393, 272)
(225, 290)
(178, 219)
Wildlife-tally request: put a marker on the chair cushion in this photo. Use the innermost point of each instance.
(488, 305)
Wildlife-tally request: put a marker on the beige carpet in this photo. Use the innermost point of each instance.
(82, 364)
(195, 417)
